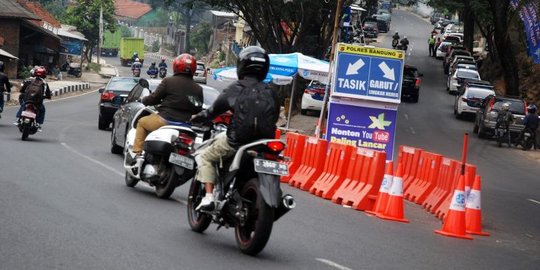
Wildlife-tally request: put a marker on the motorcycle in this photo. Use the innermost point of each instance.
(502, 135)
(167, 161)
(27, 123)
(395, 43)
(162, 72)
(153, 73)
(528, 139)
(74, 71)
(248, 194)
(136, 72)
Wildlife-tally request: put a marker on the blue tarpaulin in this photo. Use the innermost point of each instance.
(529, 16)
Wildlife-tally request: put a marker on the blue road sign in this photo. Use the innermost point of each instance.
(368, 73)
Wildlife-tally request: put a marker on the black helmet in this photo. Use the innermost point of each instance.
(531, 108)
(254, 61)
(1, 66)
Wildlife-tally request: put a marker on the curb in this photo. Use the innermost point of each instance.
(69, 88)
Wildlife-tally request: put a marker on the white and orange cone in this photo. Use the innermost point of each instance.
(382, 198)
(454, 222)
(473, 210)
(394, 208)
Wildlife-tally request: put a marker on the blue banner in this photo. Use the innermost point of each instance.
(366, 127)
(529, 16)
(71, 46)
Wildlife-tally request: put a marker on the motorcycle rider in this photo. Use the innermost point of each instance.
(395, 40)
(136, 65)
(38, 73)
(177, 95)
(531, 123)
(135, 56)
(152, 70)
(404, 43)
(163, 64)
(252, 66)
(4, 86)
(504, 118)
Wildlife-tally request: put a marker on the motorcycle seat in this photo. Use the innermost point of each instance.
(181, 124)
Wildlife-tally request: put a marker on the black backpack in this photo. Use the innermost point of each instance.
(255, 114)
(34, 92)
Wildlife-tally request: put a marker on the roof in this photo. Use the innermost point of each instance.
(131, 9)
(12, 9)
(6, 54)
(223, 14)
(39, 11)
(75, 35)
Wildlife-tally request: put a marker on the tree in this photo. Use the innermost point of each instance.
(55, 7)
(200, 37)
(85, 16)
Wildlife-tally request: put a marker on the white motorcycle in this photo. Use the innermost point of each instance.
(168, 161)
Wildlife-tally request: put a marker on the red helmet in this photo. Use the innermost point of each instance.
(184, 64)
(163, 59)
(40, 72)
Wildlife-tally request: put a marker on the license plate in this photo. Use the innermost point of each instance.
(271, 167)
(28, 114)
(527, 134)
(198, 140)
(182, 161)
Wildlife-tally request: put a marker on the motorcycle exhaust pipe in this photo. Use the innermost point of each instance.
(287, 203)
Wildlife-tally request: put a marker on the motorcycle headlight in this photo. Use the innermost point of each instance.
(493, 114)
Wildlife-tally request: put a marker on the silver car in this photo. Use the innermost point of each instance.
(200, 73)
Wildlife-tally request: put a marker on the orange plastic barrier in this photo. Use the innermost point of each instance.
(311, 165)
(449, 170)
(424, 182)
(470, 171)
(295, 147)
(362, 180)
(409, 158)
(335, 166)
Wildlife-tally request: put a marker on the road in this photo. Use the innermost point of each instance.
(64, 204)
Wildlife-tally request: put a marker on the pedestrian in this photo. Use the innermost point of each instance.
(431, 43)
(5, 86)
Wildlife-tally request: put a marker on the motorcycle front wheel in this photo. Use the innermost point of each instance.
(254, 234)
(198, 221)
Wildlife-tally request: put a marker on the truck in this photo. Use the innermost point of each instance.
(111, 43)
(129, 46)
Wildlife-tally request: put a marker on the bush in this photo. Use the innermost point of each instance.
(155, 46)
(94, 66)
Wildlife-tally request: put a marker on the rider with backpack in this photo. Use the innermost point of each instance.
(176, 94)
(34, 90)
(255, 113)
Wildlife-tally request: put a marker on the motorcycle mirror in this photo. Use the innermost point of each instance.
(144, 83)
(101, 90)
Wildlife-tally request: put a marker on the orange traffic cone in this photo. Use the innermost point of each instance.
(454, 222)
(394, 207)
(382, 198)
(277, 134)
(473, 210)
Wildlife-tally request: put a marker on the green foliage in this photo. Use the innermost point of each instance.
(200, 37)
(155, 46)
(125, 31)
(94, 66)
(56, 8)
(156, 18)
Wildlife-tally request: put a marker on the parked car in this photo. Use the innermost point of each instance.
(123, 118)
(442, 23)
(453, 38)
(111, 96)
(371, 29)
(442, 49)
(486, 116)
(450, 56)
(435, 17)
(410, 86)
(383, 25)
(200, 74)
(460, 59)
(312, 99)
(468, 101)
(458, 77)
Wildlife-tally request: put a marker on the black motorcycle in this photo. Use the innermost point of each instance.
(74, 71)
(527, 139)
(27, 123)
(162, 72)
(502, 135)
(395, 43)
(248, 194)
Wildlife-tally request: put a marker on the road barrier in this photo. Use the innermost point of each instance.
(362, 180)
(334, 169)
(353, 177)
(311, 164)
(294, 150)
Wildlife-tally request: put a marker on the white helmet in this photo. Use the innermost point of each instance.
(136, 59)
(506, 106)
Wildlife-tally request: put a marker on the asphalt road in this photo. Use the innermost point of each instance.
(64, 204)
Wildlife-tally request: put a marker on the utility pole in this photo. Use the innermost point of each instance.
(337, 19)
(100, 34)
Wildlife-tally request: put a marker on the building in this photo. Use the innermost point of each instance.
(129, 12)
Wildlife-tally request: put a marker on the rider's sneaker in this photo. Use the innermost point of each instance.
(39, 128)
(207, 203)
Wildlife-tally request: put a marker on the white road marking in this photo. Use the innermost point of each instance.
(406, 116)
(412, 130)
(92, 160)
(534, 201)
(333, 264)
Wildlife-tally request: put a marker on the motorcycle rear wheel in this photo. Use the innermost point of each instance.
(164, 191)
(25, 132)
(527, 144)
(253, 236)
(198, 221)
